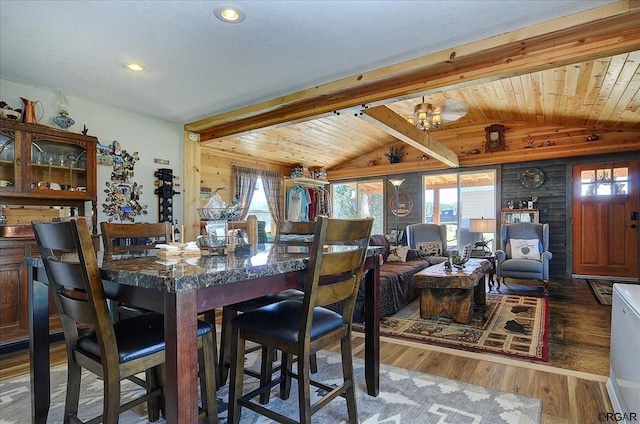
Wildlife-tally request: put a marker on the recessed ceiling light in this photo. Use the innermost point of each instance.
(134, 66)
(229, 13)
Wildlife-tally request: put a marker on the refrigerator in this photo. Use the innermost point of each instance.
(623, 384)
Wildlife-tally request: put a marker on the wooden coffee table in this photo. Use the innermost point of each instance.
(454, 292)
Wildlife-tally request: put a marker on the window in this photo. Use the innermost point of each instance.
(604, 182)
(455, 199)
(360, 199)
(259, 208)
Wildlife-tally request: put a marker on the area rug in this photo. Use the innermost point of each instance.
(405, 397)
(602, 290)
(509, 325)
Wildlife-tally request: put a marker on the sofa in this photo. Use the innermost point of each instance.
(395, 281)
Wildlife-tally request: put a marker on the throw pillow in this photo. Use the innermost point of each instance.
(398, 254)
(525, 249)
(433, 248)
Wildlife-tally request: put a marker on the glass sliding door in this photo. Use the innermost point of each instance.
(478, 208)
(441, 203)
(360, 199)
(456, 199)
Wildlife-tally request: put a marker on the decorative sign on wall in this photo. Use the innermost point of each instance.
(123, 194)
(404, 206)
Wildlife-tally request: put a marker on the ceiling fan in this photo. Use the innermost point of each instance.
(428, 116)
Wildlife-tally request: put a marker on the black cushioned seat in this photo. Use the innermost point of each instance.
(250, 305)
(137, 337)
(282, 320)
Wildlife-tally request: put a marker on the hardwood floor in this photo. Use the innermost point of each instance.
(579, 327)
(571, 385)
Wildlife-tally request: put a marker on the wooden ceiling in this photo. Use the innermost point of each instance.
(551, 86)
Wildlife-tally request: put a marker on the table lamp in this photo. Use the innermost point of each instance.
(482, 225)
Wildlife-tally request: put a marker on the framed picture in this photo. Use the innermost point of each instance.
(495, 138)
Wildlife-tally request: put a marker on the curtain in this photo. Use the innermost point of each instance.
(272, 182)
(245, 184)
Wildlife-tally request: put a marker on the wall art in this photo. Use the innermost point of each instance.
(123, 194)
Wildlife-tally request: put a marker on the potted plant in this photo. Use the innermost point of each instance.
(395, 153)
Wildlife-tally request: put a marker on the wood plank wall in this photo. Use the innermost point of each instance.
(217, 169)
(552, 204)
(554, 199)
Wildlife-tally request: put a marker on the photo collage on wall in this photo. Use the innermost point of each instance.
(123, 194)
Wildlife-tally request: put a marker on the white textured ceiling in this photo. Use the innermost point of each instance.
(199, 66)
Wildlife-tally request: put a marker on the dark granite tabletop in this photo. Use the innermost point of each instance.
(146, 269)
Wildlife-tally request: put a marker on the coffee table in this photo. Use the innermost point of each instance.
(454, 292)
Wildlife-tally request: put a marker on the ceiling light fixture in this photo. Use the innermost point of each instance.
(429, 117)
(134, 66)
(425, 118)
(229, 13)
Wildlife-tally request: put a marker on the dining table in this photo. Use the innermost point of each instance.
(182, 289)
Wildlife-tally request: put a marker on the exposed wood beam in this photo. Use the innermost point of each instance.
(581, 148)
(392, 123)
(600, 32)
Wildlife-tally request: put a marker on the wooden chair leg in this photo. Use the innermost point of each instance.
(347, 372)
(225, 345)
(208, 370)
(266, 372)
(313, 361)
(153, 404)
(286, 368)
(111, 407)
(546, 287)
(236, 378)
(160, 378)
(74, 374)
(210, 317)
(304, 390)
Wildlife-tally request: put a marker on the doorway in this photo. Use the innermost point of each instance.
(605, 220)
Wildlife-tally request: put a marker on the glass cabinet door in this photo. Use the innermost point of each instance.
(58, 166)
(8, 164)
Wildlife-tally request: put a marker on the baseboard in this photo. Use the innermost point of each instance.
(23, 345)
(602, 277)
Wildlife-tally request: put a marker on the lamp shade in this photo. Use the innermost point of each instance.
(482, 225)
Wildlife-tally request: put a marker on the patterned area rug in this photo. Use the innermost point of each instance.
(602, 290)
(509, 325)
(405, 396)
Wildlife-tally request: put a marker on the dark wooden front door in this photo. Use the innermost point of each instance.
(605, 219)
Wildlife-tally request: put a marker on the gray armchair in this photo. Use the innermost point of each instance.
(508, 266)
(418, 233)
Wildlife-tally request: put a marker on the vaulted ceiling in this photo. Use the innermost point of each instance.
(551, 85)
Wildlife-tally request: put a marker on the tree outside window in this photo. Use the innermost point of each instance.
(360, 199)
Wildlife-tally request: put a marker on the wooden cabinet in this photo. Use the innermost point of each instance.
(46, 168)
(511, 216)
(14, 307)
